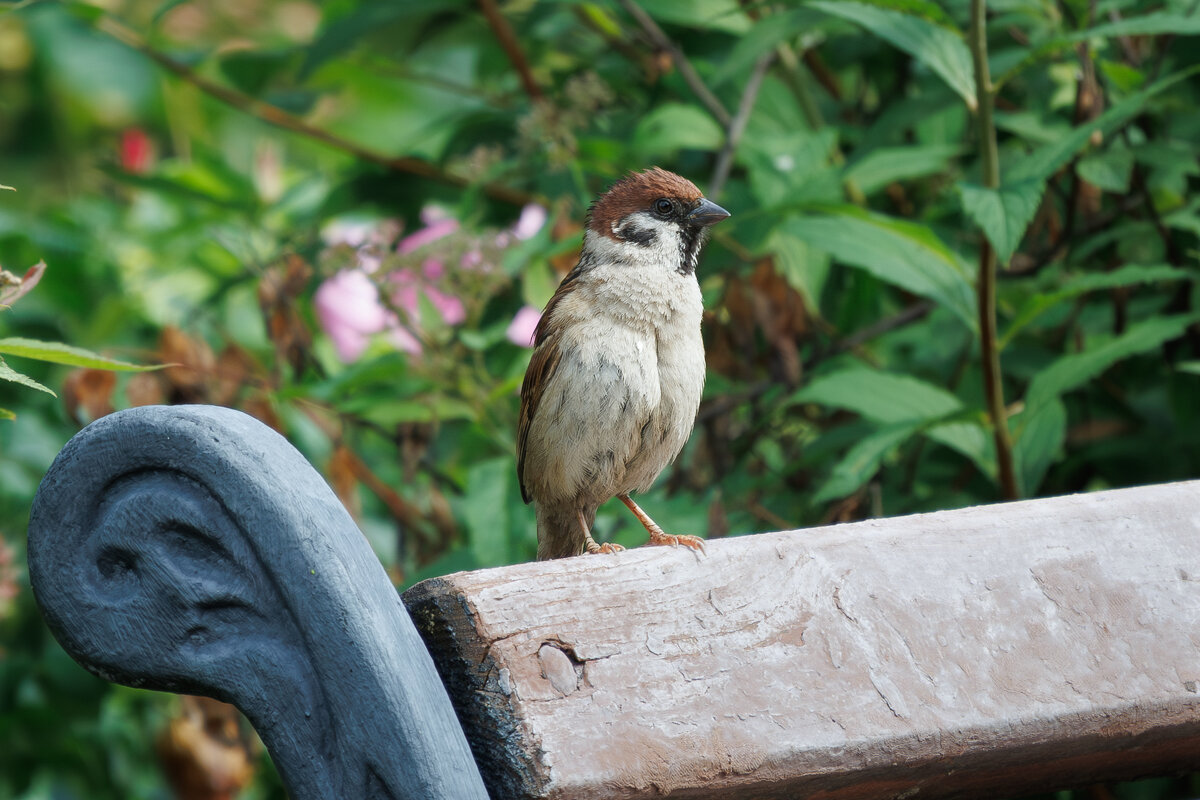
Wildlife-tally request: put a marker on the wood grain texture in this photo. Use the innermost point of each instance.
(983, 652)
(193, 549)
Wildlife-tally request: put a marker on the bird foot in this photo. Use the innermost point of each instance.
(607, 547)
(660, 538)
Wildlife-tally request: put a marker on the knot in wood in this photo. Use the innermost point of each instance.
(558, 668)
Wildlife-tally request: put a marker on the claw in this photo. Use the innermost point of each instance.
(657, 536)
(607, 547)
(694, 542)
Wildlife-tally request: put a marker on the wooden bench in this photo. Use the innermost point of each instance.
(983, 652)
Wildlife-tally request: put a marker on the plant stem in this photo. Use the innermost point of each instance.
(276, 116)
(737, 125)
(686, 70)
(992, 377)
(512, 47)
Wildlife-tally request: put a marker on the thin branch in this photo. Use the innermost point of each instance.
(903, 318)
(737, 126)
(278, 117)
(900, 319)
(796, 81)
(686, 70)
(631, 53)
(512, 47)
(990, 353)
(401, 510)
(1128, 48)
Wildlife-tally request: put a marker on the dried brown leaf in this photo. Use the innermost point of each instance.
(236, 370)
(145, 389)
(13, 288)
(192, 366)
(342, 477)
(205, 751)
(278, 290)
(87, 394)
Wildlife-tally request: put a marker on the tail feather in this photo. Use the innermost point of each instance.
(558, 531)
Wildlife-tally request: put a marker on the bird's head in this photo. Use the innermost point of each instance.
(653, 216)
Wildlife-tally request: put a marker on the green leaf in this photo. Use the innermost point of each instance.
(1109, 171)
(57, 353)
(484, 505)
(886, 165)
(940, 49)
(879, 396)
(905, 254)
(892, 399)
(1122, 77)
(7, 373)
(925, 9)
(804, 267)
(1130, 275)
(6, 414)
(1003, 214)
(863, 460)
(1072, 371)
(1045, 161)
(717, 15)
(364, 21)
(1041, 433)
(1152, 24)
(674, 126)
(970, 439)
(767, 33)
(793, 168)
(398, 411)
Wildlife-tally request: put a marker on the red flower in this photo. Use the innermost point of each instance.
(136, 150)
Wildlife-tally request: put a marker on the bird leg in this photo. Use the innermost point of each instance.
(657, 536)
(590, 544)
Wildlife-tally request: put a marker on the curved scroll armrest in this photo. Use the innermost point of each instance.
(192, 549)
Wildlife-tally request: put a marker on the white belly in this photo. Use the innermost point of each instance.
(619, 408)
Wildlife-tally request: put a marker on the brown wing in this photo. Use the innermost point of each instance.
(542, 366)
(537, 377)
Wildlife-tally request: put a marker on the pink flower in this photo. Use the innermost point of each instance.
(523, 326)
(408, 284)
(472, 259)
(427, 235)
(349, 310)
(402, 338)
(533, 217)
(358, 232)
(354, 233)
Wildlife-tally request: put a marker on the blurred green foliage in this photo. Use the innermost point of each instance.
(212, 184)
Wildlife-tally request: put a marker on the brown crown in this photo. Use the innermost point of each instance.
(636, 192)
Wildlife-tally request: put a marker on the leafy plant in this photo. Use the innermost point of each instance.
(961, 264)
(12, 288)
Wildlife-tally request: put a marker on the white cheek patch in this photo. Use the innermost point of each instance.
(645, 240)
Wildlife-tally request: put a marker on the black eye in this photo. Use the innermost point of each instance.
(663, 206)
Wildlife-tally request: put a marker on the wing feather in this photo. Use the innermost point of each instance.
(546, 357)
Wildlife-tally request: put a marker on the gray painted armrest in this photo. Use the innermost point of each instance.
(192, 549)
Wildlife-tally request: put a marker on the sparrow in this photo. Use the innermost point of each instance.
(611, 391)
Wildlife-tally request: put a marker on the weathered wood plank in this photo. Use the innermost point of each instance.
(982, 652)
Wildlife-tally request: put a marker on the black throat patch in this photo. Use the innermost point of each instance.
(691, 241)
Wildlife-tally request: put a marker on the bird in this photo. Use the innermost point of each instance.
(612, 388)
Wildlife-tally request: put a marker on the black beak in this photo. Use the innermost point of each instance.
(707, 213)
